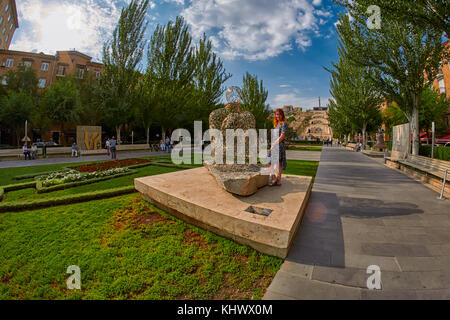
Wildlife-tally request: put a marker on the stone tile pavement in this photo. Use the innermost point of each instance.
(363, 213)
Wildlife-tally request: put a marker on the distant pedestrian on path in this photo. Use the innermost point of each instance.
(26, 152)
(108, 146)
(74, 150)
(279, 123)
(33, 151)
(168, 146)
(112, 146)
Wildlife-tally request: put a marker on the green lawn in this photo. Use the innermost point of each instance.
(304, 148)
(125, 248)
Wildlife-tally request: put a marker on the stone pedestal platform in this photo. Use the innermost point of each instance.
(266, 221)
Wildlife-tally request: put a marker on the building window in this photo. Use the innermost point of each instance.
(11, 27)
(61, 71)
(7, 38)
(97, 74)
(1, 41)
(45, 66)
(7, 7)
(9, 62)
(9, 18)
(80, 73)
(441, 85)
(4, 31)
(5, 80)
(41, 83)
(27, 64)
(1, 21)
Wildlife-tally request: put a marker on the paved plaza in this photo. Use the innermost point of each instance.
(363, 213)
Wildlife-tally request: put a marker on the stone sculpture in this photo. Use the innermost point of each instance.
(240, 179)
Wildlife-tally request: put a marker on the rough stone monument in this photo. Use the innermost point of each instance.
(240, 179)
(401, 142)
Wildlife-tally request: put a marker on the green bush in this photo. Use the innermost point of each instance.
(34, 175)
(2, 193)
(19, 186)
(305, 142)
(64, 200)
(41, 189)
(441, 153)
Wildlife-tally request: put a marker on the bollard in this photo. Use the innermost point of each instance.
(443, 185)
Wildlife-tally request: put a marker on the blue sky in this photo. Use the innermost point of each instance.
(284, 42)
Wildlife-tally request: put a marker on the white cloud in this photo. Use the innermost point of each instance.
(296, 100)
(65, 24)
(256, 29)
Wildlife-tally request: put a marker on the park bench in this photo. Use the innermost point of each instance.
(427, 170)
(434, 167)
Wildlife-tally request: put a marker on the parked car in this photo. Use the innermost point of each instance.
(40, 144)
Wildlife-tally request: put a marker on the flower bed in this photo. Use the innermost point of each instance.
(107, 165)
(64, 177)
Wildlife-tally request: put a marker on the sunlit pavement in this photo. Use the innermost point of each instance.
(362, 213)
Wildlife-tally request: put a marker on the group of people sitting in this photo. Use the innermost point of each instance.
(166, 145)
(30, 153)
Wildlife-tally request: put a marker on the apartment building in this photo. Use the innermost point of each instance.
(49, 68)
(442, 81)
(9, 22)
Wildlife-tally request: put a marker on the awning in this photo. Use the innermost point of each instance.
(443, 139)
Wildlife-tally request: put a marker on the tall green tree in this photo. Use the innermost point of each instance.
(23, 79)
(91, 111)
(424, 13)
(433, 108)
(254, 97)
(170, 69)
(61, 104)
(355, 94)
(399, 52)
(121, 57)
(339, 121)
(15, 109)
(209, 79)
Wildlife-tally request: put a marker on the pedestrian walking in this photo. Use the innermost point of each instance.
(112, 146)
(108, 146)
(168, 144)
(33, 151)
(26, 152)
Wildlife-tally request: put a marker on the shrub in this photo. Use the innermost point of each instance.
(41, 188)
(305, 142)
(34, 175)
(64, 200)
(441, 153)
(19, 186)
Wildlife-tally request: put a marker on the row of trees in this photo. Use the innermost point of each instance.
(395, 62)
(183, 81)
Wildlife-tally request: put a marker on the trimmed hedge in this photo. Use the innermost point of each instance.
(19, 186)
(64, 200)
(441, 153)
(2, 193)
(41, 189)
(305, 142)
(34, 175)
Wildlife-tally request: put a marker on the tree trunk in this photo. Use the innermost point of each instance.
(414, 124)
(118, 128)
(163, 134)
(148, 135)
(364, 133)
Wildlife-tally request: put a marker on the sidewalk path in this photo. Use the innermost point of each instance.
(362, 213)
(47, 161)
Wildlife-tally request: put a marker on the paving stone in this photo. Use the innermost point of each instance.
(344, 276)
(309, 255)
(272, 295)
(424, 263)
(302, 289)
(394, 249)
(298, 269)
(388, 295)
(361, 261)
(441, 294)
